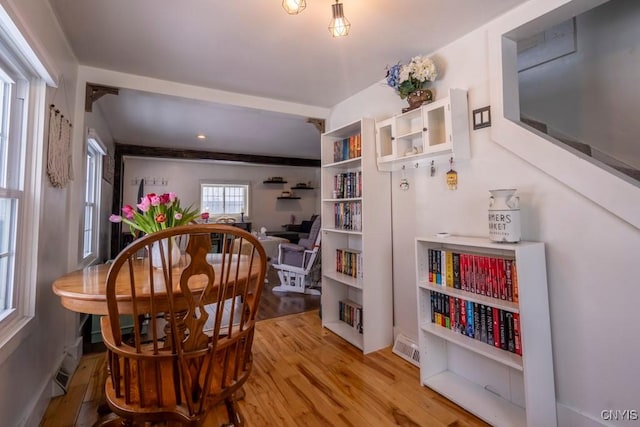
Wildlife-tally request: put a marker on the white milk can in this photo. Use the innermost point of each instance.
(504, 216)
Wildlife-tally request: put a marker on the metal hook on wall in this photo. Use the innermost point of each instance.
(404, 182)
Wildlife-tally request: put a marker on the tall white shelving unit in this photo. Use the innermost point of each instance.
(499, 386)
(367, 235)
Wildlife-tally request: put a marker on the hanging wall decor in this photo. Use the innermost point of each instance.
(452, 177)
(108, 167)
(59, 164)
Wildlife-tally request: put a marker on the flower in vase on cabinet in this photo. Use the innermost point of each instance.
(407, 78)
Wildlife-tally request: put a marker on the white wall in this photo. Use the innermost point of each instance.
(25, 376)
(592, 263)
(184, 178)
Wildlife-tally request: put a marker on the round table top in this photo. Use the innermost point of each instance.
(84, 291)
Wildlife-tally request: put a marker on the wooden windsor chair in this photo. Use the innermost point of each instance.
(194, 352)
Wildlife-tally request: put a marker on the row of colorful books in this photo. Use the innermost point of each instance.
(490, 325)
(347, 148)
(347, 184)
(480, 274)
(348, 216)
(351, 314)
(349, 262)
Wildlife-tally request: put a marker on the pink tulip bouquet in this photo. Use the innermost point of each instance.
(157, 212)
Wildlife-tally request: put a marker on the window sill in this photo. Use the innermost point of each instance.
(13, 335)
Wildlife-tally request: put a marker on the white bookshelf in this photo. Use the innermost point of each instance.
(499, 386)
(373, 289)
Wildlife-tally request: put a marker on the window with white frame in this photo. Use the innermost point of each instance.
(93, 165)
(23, 81)
(225, 198)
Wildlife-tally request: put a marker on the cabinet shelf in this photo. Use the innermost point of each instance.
(411, 134)
(346, 332)
(346, 199)
(341, 231)
(502, 356)
(469, 296)
(478, 400)
(419, 136)
(267, 181)
(343, 163)
(302, 188)
(288, 197)
(344, 279)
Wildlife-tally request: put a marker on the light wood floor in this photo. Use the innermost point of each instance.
(303, 375)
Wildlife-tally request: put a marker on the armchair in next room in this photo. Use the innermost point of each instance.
(295, 262)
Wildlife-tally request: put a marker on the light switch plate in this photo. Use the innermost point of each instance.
(482, 117)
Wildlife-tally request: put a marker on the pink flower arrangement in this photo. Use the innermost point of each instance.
(157, 212)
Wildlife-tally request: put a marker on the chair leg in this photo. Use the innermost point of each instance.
(235, 418)
(112, 420)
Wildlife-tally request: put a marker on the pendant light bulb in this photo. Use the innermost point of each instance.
(339, 25)
(294, 7)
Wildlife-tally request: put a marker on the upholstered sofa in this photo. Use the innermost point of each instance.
(303, 228)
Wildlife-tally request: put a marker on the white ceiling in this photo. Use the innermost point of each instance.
(255, 48)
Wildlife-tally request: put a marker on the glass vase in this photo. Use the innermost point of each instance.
(156, 259)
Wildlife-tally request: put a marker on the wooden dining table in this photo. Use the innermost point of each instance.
(84, 290)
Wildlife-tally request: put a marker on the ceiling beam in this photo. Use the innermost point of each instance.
(200, 93)
(172, 153)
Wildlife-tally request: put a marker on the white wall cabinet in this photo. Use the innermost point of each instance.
(356, 239)
(505, 385)
(437, 129)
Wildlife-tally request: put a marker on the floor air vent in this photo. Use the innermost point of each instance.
(407, 349)
(65, 371)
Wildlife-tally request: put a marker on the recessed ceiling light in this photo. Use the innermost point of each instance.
(201, 136)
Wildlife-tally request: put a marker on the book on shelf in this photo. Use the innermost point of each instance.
(449, 269)
(509, 332)
(490, 325)
(496, 327)
(349, 262)
(516, 334)
(348, 215)
(347, 148)
(470, 330)
(462, 327)
(455, 269)
(490, 276)
(347, 185)
(477, 326)
(351, 313)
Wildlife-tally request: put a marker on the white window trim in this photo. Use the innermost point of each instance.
(16, 328)
(13, 332)
(102, 151)
(224, 182)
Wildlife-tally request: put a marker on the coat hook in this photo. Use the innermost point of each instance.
(432, 170)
